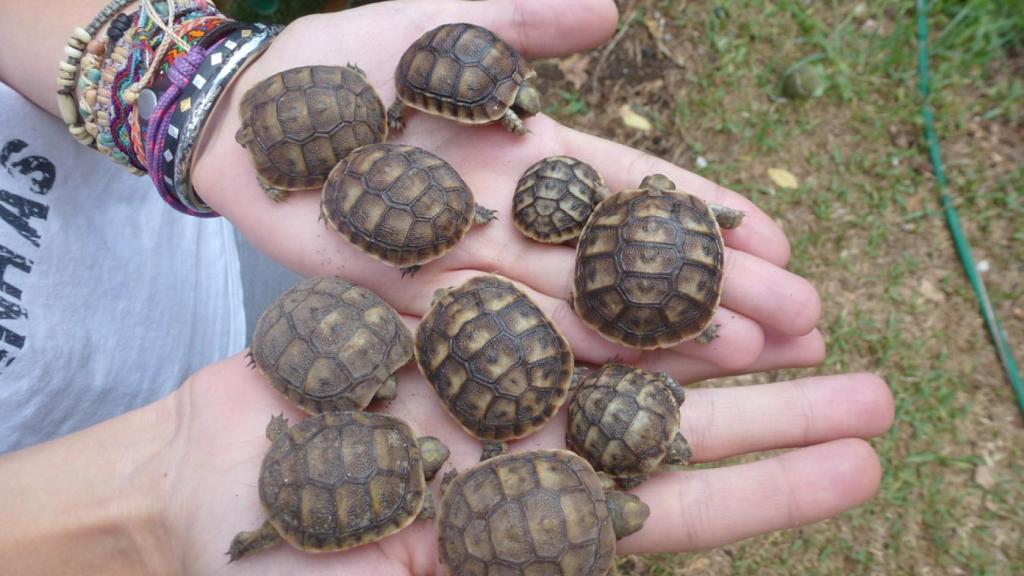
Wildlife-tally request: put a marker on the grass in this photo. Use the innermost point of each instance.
(865, 226)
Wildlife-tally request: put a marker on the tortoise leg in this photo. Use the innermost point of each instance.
(355, 68)
(427, 508)
(483, 215)
(709, 334)
(275, 194)
(492, 449)
(679, 452)
(410, 270)
(278, 425)
(728, 218)
(513, 123)
(396, 115)
(630, 482)
(446, 480)
(250, 542)
(388, 390)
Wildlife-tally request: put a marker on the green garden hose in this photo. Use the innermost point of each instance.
(963, 249)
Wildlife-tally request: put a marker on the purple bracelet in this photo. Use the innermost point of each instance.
(180, 74)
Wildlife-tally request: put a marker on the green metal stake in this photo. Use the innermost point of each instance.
(963, 249)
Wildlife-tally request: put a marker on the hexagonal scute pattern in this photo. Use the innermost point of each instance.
(622, 420)
(400, 204)
(649, 268)
(461, 71)
(328, 344)
(304, 119)
(497, 362)
(555, 197)
(342, 479)
(540, 512)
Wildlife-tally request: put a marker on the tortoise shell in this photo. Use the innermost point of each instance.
(342, 479)
(649, 268)
(298, 123)
(555, 197)
(499, 365)
(400, 204)
(462, 72)
(328, 344)
(622, 419)
(540, 512)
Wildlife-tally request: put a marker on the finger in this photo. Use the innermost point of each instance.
(769, 294)
(537, 28)
(724, 422)
(708, 508)
(625, 167)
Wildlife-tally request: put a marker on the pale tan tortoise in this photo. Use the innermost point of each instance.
(555, 197)
(339, 480)
(649, 265)
(297, 124)
(328, 344)
(543, 512)
(497, 362)
(625, 422)
(465, 73)
(400, 204)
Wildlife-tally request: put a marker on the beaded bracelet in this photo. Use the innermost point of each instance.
(67, 75)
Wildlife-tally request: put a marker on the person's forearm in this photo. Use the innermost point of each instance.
(92, 502)
(35, 34)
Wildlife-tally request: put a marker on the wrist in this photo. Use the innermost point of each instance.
(95, 501)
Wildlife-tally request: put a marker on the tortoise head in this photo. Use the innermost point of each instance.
(527, 100)
(433, 454)
(657, 182)
(438, 295)
(627, 511)
(675, 388)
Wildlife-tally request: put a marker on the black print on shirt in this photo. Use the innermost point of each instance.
(18, 211)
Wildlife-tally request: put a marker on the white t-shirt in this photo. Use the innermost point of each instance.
(109, 298)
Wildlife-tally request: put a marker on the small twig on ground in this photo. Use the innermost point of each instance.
(627, 22)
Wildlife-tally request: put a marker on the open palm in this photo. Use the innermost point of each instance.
(223, 410)
(768, 315)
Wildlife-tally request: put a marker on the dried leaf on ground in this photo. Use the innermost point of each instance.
(783, 178)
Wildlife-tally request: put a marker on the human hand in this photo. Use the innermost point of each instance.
(220, 415)
(768, 315)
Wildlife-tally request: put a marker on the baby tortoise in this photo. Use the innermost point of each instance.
(625, 421)
(298, 123)
(540, 512)
(465, 73)
(400, 204)
(555, 197)
(341, 479)
(649, 265)
(328, 344)
(499, 365)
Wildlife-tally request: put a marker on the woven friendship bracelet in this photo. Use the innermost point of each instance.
(220, 67)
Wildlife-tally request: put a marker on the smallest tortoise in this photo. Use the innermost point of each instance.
(340, 480)
(625, 421)
(555, 197)
(465, 73)
(531, 513)
(328, 344)
(298, 123)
